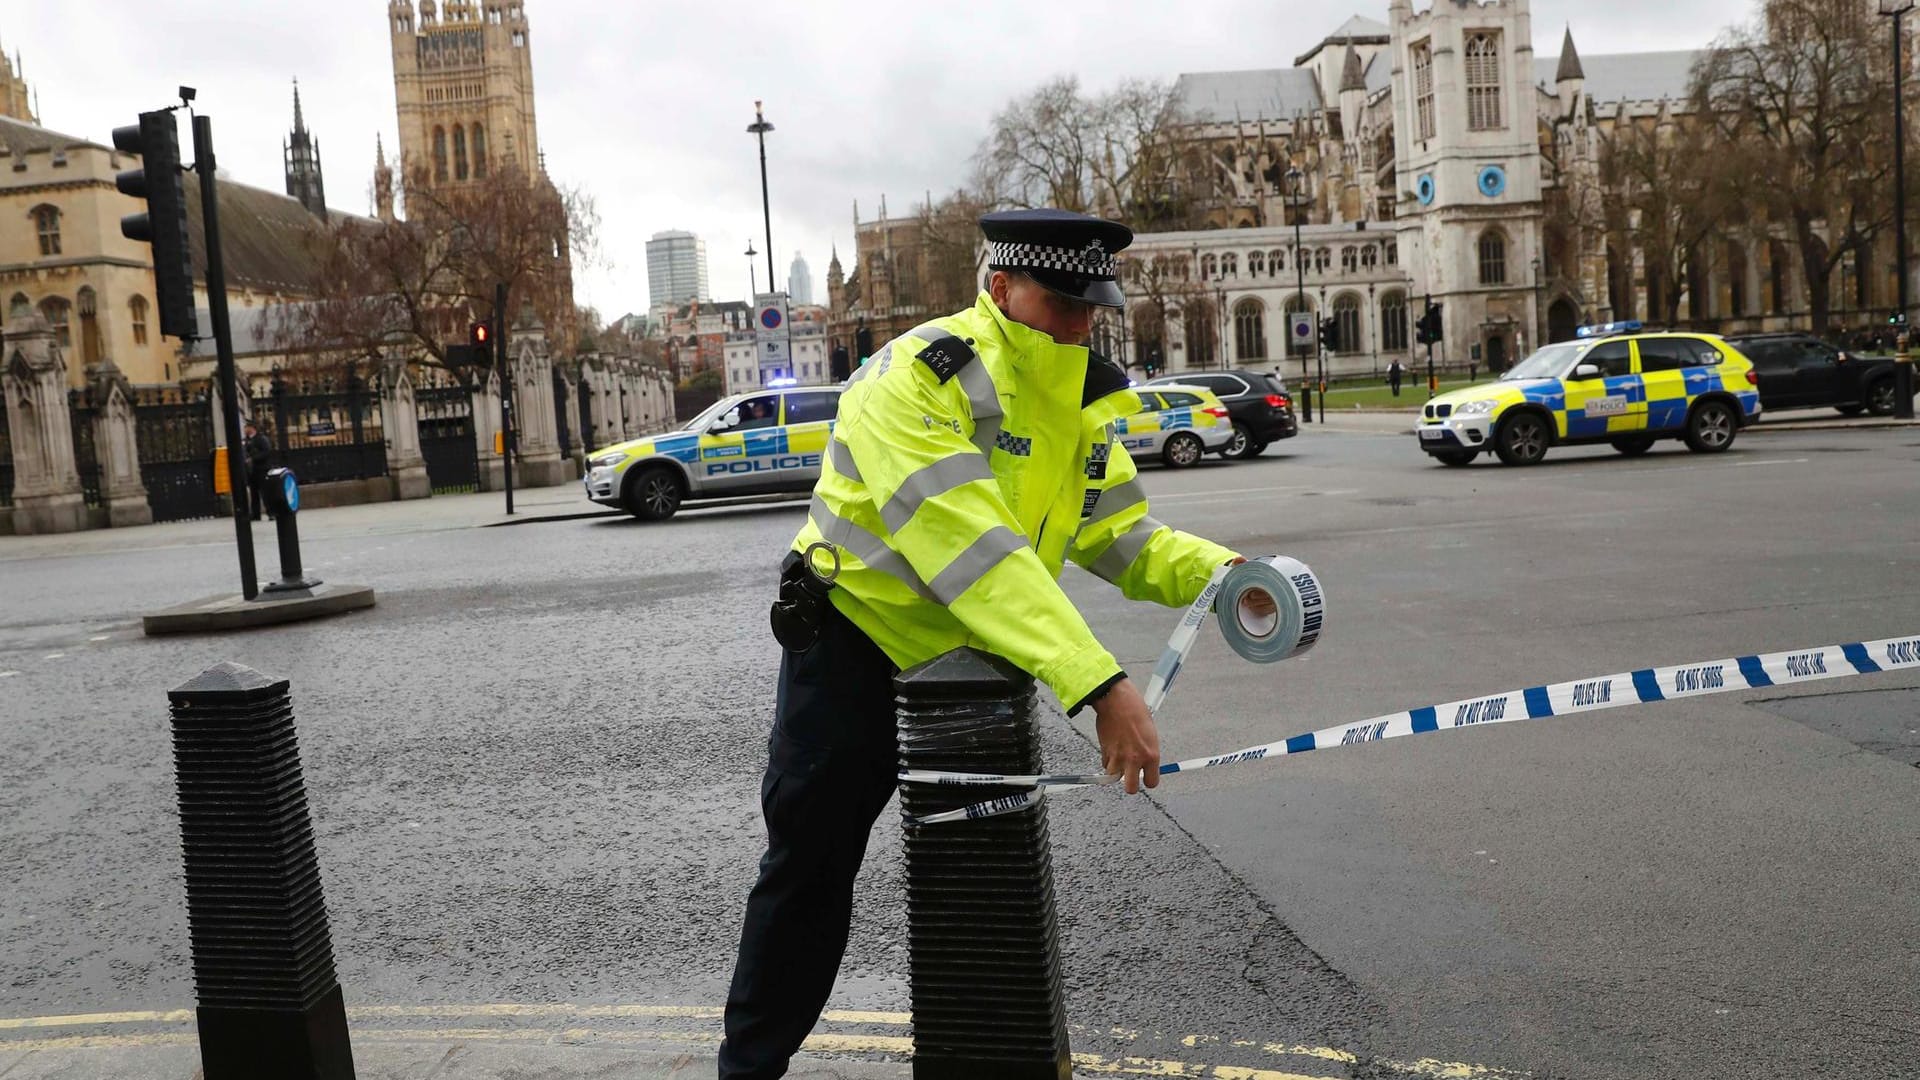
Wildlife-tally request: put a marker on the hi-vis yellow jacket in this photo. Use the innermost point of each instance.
(971, 456)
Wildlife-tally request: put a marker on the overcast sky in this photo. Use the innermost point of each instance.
(645, 106)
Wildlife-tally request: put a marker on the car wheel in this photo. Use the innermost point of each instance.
(1241, 445)
(1454, 458)
(1849, 410)
(1880, 398)
(1523, 439)
(1258, 449)
(1182, 450)
(1711, 428)
(654, 494)
(1633, 445)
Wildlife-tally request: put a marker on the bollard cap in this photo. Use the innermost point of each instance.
(226, 680)
(964, 670)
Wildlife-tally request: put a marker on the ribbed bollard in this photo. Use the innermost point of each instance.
(984, 946)
(270, 1005)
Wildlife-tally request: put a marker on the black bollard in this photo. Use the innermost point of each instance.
(282, 493)
(269, 1003)
(983, 940)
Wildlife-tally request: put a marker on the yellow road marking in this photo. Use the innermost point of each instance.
(826, 1042)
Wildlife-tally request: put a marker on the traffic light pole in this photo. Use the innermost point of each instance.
(1903, 368)
(1433, 384)
(229, 386)
(506, 384)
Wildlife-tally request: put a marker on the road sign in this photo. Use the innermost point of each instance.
(1300, 325)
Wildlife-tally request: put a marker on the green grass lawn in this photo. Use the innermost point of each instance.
(1377, 395)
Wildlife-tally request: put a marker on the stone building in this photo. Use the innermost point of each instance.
(463, 87)
(1435, 156)
(15, 99)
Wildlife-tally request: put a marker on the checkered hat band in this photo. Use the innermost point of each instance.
(1091, 262)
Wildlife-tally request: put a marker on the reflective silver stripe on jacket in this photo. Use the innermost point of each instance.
(841, 459)
(972, 564)
(984, 403)
(942, 476)
(1115, 499)
(867, 547)
(1125, 548)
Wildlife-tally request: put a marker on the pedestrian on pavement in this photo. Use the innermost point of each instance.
(969, 461)
(1396, 371)
(257, 448)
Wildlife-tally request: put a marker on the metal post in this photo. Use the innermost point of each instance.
(982, 936)
(269, 1001)
(1300, 285)
(1903, 368)
(506, 384)
(203, 165)
(759, 129)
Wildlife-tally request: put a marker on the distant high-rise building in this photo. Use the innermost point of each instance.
(676, 269)
(800, 281)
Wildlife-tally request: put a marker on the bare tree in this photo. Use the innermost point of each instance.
(951, 232)
(1804, 108)
(1115, 154)
(416, 283)
(1671, 193)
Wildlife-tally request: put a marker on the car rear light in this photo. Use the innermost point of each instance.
(1218, 412)
(1752, 379)
(1278, 401)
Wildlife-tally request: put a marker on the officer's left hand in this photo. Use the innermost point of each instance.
(1258, 604)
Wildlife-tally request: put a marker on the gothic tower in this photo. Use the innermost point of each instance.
(382, 182)
(13, 90)
(1467, 156)
(463, 84)
(301, 154)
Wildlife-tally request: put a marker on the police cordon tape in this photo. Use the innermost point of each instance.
(1641, 687)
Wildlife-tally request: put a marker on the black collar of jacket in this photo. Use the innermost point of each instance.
(1103, 377)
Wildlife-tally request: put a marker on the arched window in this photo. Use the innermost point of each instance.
(1202, 328)
(1349, 259)
(1250, 329)
(1493, 258)
(1276, 262)
(1422, 53)
(1208, 267)
(1699, 298)
(1393, 253)
(1256, 263)
(1858, 262)
(1619, 284)
(479, 151)
(1297, 303)
(19, 307)
(440, 153)
(1393, 322)
(137, 307)
(1483, 82)
(46, 222)
(1229, 265)
(1322, 258)
(56, 310)
(1346, 317)
(459, 152)
(1369, 257)
(89, 306)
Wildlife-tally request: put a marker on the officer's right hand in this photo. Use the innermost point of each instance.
(1129, 741)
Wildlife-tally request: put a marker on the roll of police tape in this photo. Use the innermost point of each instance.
(1645, 686)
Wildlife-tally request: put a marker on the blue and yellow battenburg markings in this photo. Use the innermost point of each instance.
(1644, 686)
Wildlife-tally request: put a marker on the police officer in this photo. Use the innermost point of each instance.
(971, 457)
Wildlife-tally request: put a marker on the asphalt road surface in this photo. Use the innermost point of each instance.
(534, 774)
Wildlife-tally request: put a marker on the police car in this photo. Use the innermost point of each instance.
(1616, 383)
(760, 443)
(1177, 423)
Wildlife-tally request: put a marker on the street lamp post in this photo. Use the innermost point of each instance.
(759, 129)
(1295, 180)
(753, 283)
(1903, 369)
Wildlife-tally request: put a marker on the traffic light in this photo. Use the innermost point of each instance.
(1427, 330)
(1898, 318)
(164, 224)
(1330, 334)
(479, 335)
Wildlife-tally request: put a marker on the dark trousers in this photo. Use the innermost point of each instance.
(254, 486)
(831, 768)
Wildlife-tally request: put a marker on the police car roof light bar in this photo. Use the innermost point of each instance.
(1628, 327)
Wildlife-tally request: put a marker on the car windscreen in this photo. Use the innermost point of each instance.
(1549, 362)
(706, 417)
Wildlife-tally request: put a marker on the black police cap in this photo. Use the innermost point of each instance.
(1067, 253)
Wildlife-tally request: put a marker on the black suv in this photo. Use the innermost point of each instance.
(1800, 371)
(1256, 401)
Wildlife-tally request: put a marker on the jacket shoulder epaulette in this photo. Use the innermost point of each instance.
(946, 353)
